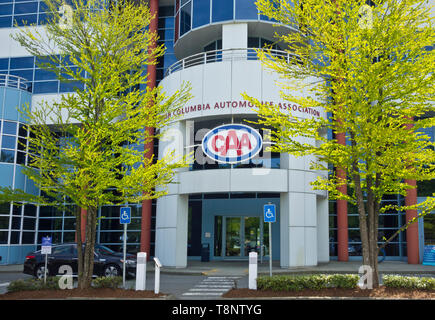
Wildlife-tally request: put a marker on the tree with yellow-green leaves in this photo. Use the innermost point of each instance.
(88, 147)
(373, 66)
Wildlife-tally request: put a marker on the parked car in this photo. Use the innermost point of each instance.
(106, 261)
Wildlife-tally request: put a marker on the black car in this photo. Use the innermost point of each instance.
(106, 261)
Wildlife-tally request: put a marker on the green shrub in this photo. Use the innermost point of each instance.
(31, 284)
(107, 282)
(396, 281)
(313, 282)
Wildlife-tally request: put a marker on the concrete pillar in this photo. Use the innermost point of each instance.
(298, 229)
(322, 229)
(171, 230)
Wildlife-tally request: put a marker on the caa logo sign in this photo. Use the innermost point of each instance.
(232, 143)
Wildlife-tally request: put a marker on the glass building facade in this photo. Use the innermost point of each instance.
(23, 226)
(192, 14)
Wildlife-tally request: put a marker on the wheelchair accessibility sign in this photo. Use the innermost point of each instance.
(125, 215)
(269, 213)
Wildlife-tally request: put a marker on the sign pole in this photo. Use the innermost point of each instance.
(45, 268)
(270, 248)
(269, 211)
(124, 218)
(125, 250)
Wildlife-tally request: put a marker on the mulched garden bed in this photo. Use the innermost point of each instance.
(77, 293)
(382, 292)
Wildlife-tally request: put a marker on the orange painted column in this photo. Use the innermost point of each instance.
(145, 237)
(412, 246)
(342, 222)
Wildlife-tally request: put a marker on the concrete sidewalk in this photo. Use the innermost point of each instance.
(240, 268)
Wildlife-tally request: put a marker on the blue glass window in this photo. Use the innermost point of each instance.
(22, 63)
(166, 23)
(185, 18)
(9, 142)
(28, 7)
(42, 74)
(246, 9)
(42, 6)
(4, 64)
(71, 86)
(10, 127)
(5, 22)
(45, 87)
(44, 18)
(7, 156)
(25, 20)
(5, 9)
(6, 1)
(201, 13)
(26, 74)
(222, 10)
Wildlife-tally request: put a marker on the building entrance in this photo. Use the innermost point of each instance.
(235, 237)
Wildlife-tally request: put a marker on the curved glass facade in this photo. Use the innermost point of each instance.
(192, 14)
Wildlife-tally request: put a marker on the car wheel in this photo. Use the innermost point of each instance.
(39, 272)
(111, 270)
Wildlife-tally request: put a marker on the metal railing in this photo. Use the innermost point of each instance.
(11, 81)
(241, 54)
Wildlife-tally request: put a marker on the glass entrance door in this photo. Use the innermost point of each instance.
(235, 237)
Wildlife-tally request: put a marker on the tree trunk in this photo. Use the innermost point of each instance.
(88, 263)
(372, 232)
(79, 244)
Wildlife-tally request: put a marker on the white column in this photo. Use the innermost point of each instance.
(298, 227)
(171, 230)
(234, 36)
(322, 230)
(172, 209)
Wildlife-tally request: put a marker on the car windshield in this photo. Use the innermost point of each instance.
(103, 250)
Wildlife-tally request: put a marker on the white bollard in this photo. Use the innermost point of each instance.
(141, 271)
(253, 268)
(157, 275)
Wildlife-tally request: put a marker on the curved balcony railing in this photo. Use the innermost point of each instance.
(11, 81)
(207, 57)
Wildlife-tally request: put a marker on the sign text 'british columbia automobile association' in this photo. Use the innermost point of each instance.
(240, 104)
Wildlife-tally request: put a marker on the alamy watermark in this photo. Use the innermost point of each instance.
(366, 277)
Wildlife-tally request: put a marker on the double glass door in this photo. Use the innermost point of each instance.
(237, 236)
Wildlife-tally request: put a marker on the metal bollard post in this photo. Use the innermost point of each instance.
(157, 275)
(141, 271)
(253, 268)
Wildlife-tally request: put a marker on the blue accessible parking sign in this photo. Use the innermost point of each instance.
(125, 215)
(269, 213)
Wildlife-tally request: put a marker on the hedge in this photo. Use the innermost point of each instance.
(34, 284)
(396, 281)
(314, 282)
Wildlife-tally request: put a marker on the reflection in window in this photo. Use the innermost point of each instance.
(185, 18)
(7, 156)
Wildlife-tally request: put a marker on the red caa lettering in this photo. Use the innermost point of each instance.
(221, 149)
(245, 142)
(232, 136)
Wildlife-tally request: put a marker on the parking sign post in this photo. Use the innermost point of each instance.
(46, 249)
(125, 219)
(270, 216)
